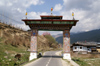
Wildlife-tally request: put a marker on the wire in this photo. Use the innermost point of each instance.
(8, 17)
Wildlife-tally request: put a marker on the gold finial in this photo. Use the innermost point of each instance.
(26, 15)
(73, 15)
(51, 10)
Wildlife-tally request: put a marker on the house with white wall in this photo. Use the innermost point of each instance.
(84, 47)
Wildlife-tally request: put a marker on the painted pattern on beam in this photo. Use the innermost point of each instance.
(49, 22)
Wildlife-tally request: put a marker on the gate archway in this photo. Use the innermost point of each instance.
(50, 22)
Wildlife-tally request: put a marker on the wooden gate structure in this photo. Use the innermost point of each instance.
(50, 22)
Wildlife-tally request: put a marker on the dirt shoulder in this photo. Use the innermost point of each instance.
(67, 62)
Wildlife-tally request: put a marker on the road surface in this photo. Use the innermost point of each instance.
(49, 59)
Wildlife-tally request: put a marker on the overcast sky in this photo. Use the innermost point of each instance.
(86, 11)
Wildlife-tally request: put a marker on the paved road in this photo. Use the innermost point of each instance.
(49, 59)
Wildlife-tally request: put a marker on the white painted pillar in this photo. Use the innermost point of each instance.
(33, 45)
(66, 45)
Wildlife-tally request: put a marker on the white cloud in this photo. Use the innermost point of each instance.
(1, 3)
(58, 7)
(15, 10)
(27, 3)
(65, 1)
(22, 26)
(36, 15)
(19, 10)
(33, 15)
(9, 4)
(87, 12)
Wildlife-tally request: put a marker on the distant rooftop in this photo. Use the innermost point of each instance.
(86, 43)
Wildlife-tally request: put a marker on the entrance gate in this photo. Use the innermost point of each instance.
(50, 23)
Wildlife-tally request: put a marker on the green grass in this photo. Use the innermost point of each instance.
(93, 61)
(80, 62)
(51, 39)
(7, 53)
(87, 61)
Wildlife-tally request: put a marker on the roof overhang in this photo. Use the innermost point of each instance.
(49, 24)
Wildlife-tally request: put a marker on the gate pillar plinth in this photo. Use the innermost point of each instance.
(66, 45)
(66, 56)
(33, 55)
(33, 45)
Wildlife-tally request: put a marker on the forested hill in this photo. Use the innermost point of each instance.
(93, 35)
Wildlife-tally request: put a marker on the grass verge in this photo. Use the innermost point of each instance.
(8, 52)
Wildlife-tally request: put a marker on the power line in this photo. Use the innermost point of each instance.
(8, 17)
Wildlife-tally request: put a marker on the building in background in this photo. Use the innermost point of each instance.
(86, 47)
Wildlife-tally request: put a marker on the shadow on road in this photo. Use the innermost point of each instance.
(54, 56)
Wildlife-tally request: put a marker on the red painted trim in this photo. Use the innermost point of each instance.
(61, 25)
(47, 20)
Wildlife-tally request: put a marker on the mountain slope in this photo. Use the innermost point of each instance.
(93, 35)
(17, 37)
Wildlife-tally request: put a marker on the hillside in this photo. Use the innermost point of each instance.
(17, 37)
(93, 35)
(15, 41)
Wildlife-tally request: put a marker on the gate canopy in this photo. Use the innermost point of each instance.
(50, 23)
